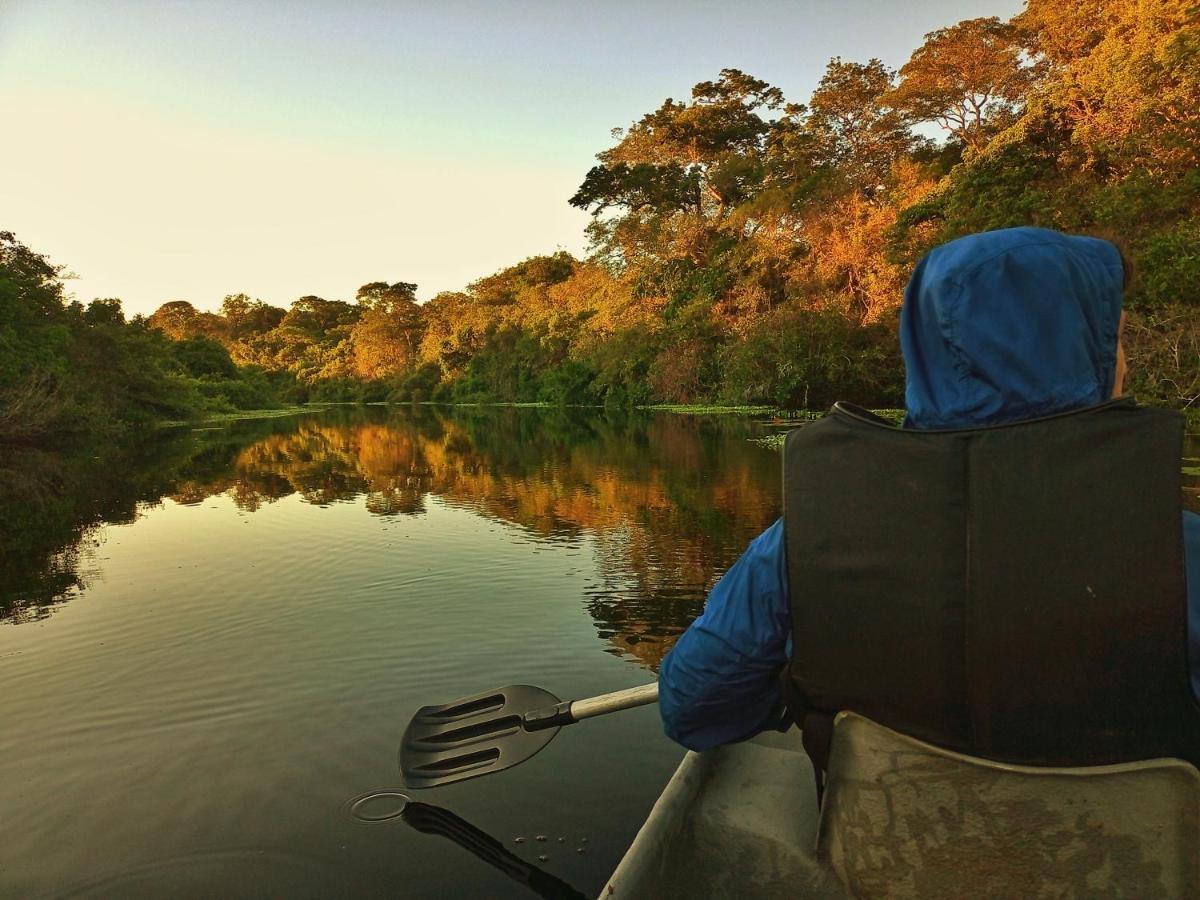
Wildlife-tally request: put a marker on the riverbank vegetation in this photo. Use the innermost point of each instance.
(69, 368)
(746, 249)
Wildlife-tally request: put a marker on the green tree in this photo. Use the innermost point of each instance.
(677, 172)
(202, 357)
(35, 340)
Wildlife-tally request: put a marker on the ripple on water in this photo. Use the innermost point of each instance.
(378, 806)
(259, 873)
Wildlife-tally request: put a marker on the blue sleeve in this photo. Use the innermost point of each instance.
(719, 683)
(1191, 549)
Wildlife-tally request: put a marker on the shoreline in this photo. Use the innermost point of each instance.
(1191, 416)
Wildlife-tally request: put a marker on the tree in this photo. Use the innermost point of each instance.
(514, 284)
(1124, 79)
(123, 374)
(35, 340)
(388, 334)
(455, 329)
(674, 175)
(1059, 34)
(245, 317)
(964, 77)
(322, 321)
(178, 319)
(855, 124)
(202, 357)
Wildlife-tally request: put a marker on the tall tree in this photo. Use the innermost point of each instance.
(857, 128)
(1124, 78)
(178, 319)
(34, 341)
(320, 320)
(388, 333)
(674, 175)
(965, 77)
(245, 317)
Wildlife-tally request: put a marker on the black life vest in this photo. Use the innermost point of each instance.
(1014, 592)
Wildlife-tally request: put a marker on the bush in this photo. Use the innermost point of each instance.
(417, 385)
(335, 390)
(1168, 268)
(507, 369)
(621, 365)
(685, 372)
(1163, 346)
(568, 384)
(248, 392)
(807, 359)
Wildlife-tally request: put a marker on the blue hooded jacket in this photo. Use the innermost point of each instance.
(996, 327)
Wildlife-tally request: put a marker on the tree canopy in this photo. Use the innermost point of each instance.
(745, 248)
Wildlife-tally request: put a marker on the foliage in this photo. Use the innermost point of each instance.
(807, 359)
(388, 332)
(857, 127)
(1163, 346)
(67, 368)
(1168, 264)
(744, 248)
(966, 78)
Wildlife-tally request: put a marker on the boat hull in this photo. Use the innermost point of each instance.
(739, 820)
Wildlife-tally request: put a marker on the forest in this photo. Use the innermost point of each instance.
(744, 248)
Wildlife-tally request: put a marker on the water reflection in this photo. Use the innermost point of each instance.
(666, 501)
(53, 509)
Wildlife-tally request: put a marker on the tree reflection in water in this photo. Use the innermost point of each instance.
(667, 501)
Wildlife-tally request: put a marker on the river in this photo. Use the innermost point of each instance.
(210, 643)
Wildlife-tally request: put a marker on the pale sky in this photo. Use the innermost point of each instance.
(169, 150)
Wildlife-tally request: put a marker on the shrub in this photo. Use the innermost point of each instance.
(807, 359)
(417, 385)
(1168, 268)
(567, 384)
(1163, 346)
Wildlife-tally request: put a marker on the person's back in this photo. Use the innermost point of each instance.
(997, 328)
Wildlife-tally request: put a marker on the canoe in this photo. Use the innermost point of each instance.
(902, 818)
(739, 820)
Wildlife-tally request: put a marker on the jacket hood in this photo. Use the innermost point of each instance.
(1009, 325)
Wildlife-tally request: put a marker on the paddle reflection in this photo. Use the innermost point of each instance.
(429, 819)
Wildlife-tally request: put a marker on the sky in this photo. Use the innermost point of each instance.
(166, 150)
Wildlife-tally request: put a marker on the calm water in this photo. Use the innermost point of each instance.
(209, 647)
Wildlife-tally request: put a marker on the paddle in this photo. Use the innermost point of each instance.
(496, 730)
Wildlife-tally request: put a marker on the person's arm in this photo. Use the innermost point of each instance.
(719, 683)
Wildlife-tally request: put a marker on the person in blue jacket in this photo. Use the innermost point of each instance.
(965, 365)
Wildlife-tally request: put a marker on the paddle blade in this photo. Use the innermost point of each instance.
(473, 736)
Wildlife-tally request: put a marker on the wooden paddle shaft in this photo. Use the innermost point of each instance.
(590, 707)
